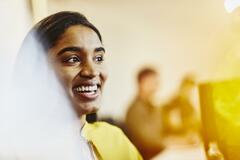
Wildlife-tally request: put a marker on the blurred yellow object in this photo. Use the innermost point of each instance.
(109, 142)
(220, 110)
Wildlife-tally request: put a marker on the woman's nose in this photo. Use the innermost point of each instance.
(88, 71)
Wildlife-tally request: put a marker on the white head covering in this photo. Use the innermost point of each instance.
(36, 117)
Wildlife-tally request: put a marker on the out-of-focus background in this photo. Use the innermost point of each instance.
(175, 37)
(178, 37)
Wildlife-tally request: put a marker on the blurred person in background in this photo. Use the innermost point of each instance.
(179, 115)
(143, 119)
(67, 43)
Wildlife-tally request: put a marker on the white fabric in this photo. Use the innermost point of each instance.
(36, 118)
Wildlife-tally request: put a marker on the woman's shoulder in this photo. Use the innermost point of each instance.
(110, 141)
(101, 126)
(103, 131)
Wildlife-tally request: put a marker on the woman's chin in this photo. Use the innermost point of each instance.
(86, 106)
(87, 109)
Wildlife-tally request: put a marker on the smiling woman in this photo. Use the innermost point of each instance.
(78, 60)
(59, 78)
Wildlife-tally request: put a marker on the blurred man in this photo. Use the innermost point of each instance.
(143, 119)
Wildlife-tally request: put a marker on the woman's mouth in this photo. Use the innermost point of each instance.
(87, 92)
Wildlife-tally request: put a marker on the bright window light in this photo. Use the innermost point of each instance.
(231, 5)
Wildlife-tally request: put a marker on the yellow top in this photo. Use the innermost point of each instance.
(110, 142)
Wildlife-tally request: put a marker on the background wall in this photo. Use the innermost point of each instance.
(177, 37)
(15, 22)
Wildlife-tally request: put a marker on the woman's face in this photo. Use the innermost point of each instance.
(78, 58)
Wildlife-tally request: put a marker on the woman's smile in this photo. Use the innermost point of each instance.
(87, 91)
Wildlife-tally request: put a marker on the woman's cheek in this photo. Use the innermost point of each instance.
(65, 76)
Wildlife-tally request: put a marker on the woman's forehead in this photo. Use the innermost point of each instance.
(78, 36)
(80, 31)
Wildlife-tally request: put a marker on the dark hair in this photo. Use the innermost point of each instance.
(50, 29)
(145, 72)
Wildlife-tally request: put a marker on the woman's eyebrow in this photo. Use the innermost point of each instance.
(75, 49)
(99, 49)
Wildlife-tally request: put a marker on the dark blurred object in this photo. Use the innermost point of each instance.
(91, 118)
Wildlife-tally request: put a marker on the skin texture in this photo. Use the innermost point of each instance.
(78, 58)
(148, 86)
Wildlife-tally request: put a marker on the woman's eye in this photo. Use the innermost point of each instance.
(72, 60)
(99, 59)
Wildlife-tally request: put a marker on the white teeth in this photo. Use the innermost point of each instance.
(90, 88)
(86, 88)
